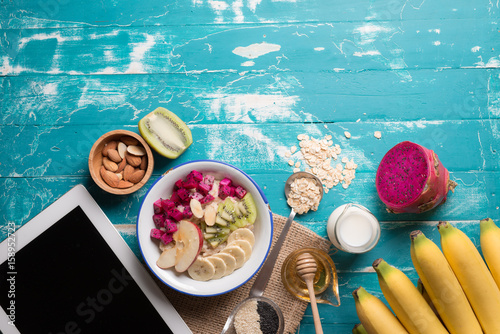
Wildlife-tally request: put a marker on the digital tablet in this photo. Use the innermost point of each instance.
(69, 271)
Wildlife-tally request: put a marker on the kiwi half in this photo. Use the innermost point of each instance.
(165, 132)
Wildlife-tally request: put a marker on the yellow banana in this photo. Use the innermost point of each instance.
(375, 316)
(473, 275)
(405, 300)
(490, 245)
(442, 286)
(425, 294)
(359, 329)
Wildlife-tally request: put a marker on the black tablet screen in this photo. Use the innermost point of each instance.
(68, 280)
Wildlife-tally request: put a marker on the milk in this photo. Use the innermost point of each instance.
(353, 228)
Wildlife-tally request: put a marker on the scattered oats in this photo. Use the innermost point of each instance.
(345, 160)
(304, 195)
(359, 120)
(347, 134)
(293, 149)
(297, 164)
(328, 137)
(325, 126)
(295, 170)
(345, 185)
(290, 162)
(377, 134)
(287, 154)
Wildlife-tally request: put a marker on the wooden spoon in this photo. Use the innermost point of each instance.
(306, 268)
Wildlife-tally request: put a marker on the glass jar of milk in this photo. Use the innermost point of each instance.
(353, 228)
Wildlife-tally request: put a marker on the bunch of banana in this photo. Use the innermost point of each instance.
(405, 300)
(442, 286)
(490, 245)
(375, 317)
(359, 329)
(473, 275)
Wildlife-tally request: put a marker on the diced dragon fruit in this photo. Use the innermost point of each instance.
(157, 206)
(166, 238)
(224, 191)
(226, 182)
(207, 199)
(204, 188)
(196, 195)
(187, 212)
(179, 184)
(159, 220)
(183, 194)
(156, 233)
(190, 184)
(195, 176)
(175, 214)
(175, 198)
(170, 226)
(167, 204)
(209, 179)
(240, 192)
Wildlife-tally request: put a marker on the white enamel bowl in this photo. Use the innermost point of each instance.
(263, 230)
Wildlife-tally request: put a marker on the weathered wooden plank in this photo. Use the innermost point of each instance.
(346, 46)
(285, 97)
(63, 13)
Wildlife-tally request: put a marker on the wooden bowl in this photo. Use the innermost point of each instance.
(95, 161)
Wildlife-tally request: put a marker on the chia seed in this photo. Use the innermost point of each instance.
(256, 317)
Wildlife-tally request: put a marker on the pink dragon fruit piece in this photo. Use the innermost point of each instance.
(170, 226)
(187, 213)
(183, 194)
(157, 208)
(190, 184)
(166, 238)
(167, 204)
(224, 191)
(156, 233)
(410, 178)
(175, 214)
(179, 184)
(159, 220)
(204, 188)
(207, 199)
(209, 179)
(175, 198)
(195, 176)
(240, 192)
(196, 195)
(226, 182)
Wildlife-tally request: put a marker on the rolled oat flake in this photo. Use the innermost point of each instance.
(256, 317)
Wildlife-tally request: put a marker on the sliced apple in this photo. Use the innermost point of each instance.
(168, 258)
(188, 244)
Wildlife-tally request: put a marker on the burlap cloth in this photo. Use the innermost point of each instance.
(207, 315)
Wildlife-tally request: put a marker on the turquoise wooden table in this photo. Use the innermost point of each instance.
(248, 77)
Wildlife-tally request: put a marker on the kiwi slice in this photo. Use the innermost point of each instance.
(165, 132)
(248, 209)
(226, 214)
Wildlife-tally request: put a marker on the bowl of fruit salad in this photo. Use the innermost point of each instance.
(204, 228)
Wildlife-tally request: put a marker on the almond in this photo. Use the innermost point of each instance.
(121, 149)
(121, 166)
(131, 159)
(109, 146)
(127, 172)
(109, 177)
(137, 176)
(136, 150)
(114, 156)
(109, 165)
(124, 184)
(127, 140)
(144, 163)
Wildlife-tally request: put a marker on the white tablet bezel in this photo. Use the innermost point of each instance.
(79, 196)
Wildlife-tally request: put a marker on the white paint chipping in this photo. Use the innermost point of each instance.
(366, 53)
(50, 89)
(493, 62)
(476, 49)
(248, 63)
(42, 37)
(369, 32)
(338, 69)
(137, 54)
(256, 50)
(319, 49)
(437, 31)
(436, 43)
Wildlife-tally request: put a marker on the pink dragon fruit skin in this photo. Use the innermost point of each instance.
(224, 191)
(411, 179)
(207, 199)
(166, 238)
(159, 220)
(240, 192)
(156, 233)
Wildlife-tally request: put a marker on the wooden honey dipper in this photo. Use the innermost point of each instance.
(306, 267)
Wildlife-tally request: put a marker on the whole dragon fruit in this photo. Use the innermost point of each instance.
(410, 178)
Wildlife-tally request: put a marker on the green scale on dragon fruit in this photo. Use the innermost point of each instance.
(411, 179)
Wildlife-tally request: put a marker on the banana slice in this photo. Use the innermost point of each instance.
(242, 234)
(201, 270)
(229, 260)
(237, 253)
(244, 245)
(219, 265)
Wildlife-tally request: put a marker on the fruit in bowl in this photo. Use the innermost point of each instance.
(204, 228)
